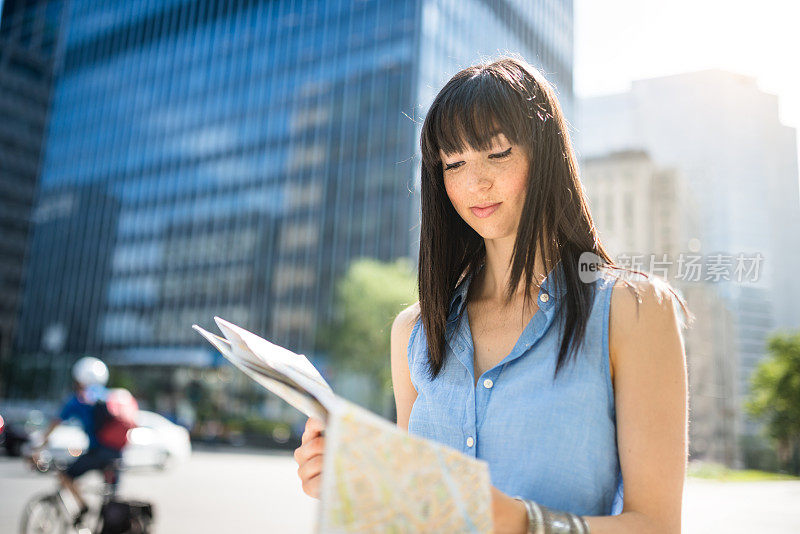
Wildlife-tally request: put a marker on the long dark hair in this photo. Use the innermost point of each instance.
(510, 95)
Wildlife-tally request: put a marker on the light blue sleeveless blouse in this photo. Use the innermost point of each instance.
(554, 443)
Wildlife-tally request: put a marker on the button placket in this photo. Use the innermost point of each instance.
(470, 423)
(483, 392)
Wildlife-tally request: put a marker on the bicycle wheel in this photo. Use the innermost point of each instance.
(43, 515)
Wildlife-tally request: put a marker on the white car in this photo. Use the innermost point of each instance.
(155, 442)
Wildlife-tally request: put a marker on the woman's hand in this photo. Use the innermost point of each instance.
(508, 514)
(309, 457)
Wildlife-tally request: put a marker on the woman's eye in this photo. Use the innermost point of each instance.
(501, 154)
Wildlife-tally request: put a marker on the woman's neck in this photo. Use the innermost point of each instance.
(491, 282)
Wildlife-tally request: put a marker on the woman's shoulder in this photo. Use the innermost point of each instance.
(630, 291)
(403, 324)
(408, 316)
(640, 307)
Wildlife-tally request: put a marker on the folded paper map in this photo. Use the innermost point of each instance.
(376, 477)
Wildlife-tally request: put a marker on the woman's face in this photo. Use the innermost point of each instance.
(487, 188)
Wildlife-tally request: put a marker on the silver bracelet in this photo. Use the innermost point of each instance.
(544, 520)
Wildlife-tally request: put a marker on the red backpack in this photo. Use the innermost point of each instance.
(114, 417)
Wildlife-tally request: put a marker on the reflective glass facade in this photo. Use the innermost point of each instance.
(29, 35)
(232, 158)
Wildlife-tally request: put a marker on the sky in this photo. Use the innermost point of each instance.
(617, 41)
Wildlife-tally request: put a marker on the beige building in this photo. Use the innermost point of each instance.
(647, 219)
(639, 207)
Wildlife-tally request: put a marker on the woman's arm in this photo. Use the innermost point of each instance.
(404, 392)
(651, 393)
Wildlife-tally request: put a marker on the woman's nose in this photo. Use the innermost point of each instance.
(479, 178)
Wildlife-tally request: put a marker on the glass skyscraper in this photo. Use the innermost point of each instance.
(29, 36)
(232, 158)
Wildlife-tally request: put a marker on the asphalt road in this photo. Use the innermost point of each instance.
(213, 492)
(259, 492)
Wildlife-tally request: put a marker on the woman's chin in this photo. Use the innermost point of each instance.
(493, 233)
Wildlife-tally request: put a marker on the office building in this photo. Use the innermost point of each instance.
(29, 38)
(648, 220)
(723, 135)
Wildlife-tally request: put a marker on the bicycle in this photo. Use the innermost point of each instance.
(52, 513)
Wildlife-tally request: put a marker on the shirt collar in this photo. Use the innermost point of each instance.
(554, 285)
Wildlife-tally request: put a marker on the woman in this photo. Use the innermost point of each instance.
(522, 350)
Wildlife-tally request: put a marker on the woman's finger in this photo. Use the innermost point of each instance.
(310, 469)
(313, 428)
(309, 449)
(313, 486)
(315, 425)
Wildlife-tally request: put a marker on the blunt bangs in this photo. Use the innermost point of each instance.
(473, 108)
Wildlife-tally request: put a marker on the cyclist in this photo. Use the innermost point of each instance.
(90, 376)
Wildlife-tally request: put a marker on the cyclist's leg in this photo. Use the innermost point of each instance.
(85, 462)
(111, 473)
(96, 458)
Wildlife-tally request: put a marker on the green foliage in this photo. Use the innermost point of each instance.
(368, 298)
(719, 472)
(758, 452)
(122, 378)
(253, 423)
(775, 396)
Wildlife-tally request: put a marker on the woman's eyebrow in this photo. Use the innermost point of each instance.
(497, 133)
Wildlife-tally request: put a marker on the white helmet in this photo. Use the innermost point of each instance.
(89, 371)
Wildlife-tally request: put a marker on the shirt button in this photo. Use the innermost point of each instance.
(544, 297)
(488, 383)
(470, 441)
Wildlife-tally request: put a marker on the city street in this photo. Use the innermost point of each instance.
(259, 492)
(213, 492)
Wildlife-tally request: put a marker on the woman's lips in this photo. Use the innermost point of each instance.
(485, 212)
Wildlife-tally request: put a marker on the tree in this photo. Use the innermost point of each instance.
(368, 298)
(775, 397)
